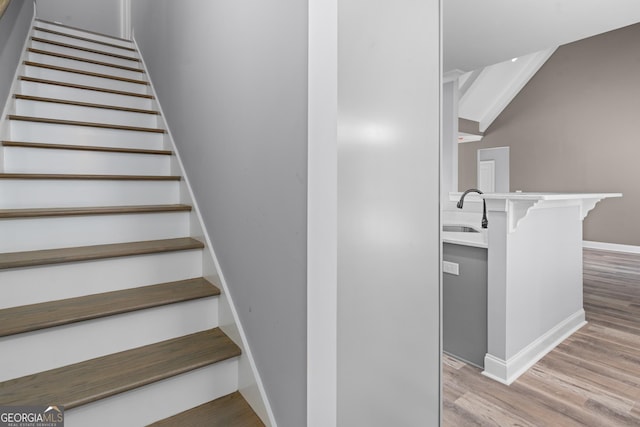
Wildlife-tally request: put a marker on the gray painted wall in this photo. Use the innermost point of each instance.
(102, 16)
(232, 80)
(574, 127)
(388, 213)
(14, 26)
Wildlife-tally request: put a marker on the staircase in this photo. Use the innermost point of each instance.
(103, 305)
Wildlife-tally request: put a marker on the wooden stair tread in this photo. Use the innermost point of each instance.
(79, 58)
(90, 210)
(85, 124)
(84, 104)
(85, 148)
(88, 253)
(85, 49)
(84, 73)
(62, 176)
(227, 411)
(95, 379)
(76, 86)
(85, 39)
(27, 318)
(83, 30)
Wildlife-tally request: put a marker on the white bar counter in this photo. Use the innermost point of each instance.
(534, 276)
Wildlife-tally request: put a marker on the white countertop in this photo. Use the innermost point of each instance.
(546, 196)
(479, 240)
(475, 197)
(467, 219)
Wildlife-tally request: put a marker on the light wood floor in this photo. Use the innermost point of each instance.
(591, 379)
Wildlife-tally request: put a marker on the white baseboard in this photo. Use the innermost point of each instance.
(614, 247)
(507, 371)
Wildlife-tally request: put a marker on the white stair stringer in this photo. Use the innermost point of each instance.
(141, 175)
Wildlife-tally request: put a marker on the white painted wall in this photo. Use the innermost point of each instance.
(388, 213)
(14, 26)
(232, 80)
(102, 16)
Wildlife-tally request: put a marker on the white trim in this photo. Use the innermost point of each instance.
(507, 371)
(125, 19)
(613, 247)
(252, 372)
(535, 61)
(464, 137)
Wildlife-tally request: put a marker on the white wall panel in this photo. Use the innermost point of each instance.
(388, 213)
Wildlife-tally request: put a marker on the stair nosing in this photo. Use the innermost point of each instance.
(91, 211)
(58, 33)
(84, 49)
(86, 148)
(81, 59)
(95, 252)
(137, 367)
(84, 73)
(49, 314)
(229, 409)
(43, 145)
(83, 30)
(84, 104)
(94, 177)
(85, 124)
(83, 87)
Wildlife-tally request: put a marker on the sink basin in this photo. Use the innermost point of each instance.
(459, 229)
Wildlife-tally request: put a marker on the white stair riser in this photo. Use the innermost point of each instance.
(23, 286)
(59, 232)
(84, 34)
(82, 54)
(83, 95)
(85, 66)
(83, 43)
(54, 110)
(68, 77)
(39, 193)
(23, 353)
(159, 400)
(30, 160)
(83, 135)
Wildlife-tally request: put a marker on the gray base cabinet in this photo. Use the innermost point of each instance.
(464, 300)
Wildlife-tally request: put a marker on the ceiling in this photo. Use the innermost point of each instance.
(478, 33)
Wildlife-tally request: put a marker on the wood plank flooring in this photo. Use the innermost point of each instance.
(591, 379)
